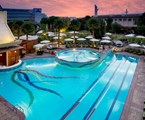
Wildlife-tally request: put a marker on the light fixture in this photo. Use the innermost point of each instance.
(1, 54)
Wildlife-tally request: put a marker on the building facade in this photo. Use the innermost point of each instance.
(126, 20)
(34, 14)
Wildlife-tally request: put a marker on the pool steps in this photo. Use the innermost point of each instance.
(87, 91)
(91, 110)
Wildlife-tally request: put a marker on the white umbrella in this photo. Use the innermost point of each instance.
(38, 45)
(51, 34)
(56, 38)
(72, 32)
(39, 32)
(130, 35)
(68, 39)
(81, 39)
(44, 41)
(30, 37)
(89, 37)
(105, 41)
(108, 33)
(94, 40)
(106, 38)
(140, 36)
(75, 37)
(134, 45)
(62, 34)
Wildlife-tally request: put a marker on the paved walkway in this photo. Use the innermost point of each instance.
(9, 112)
(133, 109)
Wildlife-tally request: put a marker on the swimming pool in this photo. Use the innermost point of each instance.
(47, 90)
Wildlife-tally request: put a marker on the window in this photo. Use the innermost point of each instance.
(120, 19)
(124, 19)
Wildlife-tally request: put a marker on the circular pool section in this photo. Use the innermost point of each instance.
(77, 57)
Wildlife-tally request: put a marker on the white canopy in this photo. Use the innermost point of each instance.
(50, 33)
(94, 40)
(72, 32)
(140, 36)
(89, 37)
(68, 39)
(105, 41)
(75, 37)
(44, 41)
(6, 35)
(62, 34)
(118, 43)
(130, 35)
(56, 38)
(39, 32)
(106, 38)
(81, 39)
(38, 45)
(108, 33)
(30, 37)
(134, 45)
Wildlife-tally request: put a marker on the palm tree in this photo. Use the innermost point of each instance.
(44, 21)
(59, 24)
(11, 25)
(28, 28)
(93, 24)
(17, 27)
(75, 25)
(51, 22)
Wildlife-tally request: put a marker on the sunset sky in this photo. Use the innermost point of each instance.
(78, 8)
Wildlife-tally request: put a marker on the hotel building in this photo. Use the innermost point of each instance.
(34, 14)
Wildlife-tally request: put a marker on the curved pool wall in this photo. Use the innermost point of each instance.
(79, 57)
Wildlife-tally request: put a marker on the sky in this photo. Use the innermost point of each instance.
(78, 8)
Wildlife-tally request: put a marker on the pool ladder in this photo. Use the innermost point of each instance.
(19, 108)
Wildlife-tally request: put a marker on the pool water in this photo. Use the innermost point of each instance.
(46, 90)
(78, 55)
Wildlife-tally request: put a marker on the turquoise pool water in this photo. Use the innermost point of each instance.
(47, 90)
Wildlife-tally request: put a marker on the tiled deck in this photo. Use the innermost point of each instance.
(9, 112)
(133, 108)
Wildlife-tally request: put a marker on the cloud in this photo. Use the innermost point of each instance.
(79, 8)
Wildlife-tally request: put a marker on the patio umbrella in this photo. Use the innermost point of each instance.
(130, 35)
(75, 37)
(108, 33)
(89, 37)
(134, 45)
(105, 41)
(72, 32)
(68, 39)
(81, 39)
(39, 32)
(56, 38)
(94, 40)
(62, 34)
(106, 38)
(30, 37)
(140, 36)
(38, 45)
(51, 34)
(44, 41)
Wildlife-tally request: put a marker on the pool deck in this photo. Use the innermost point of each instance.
(9, 112)
(133, 108)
